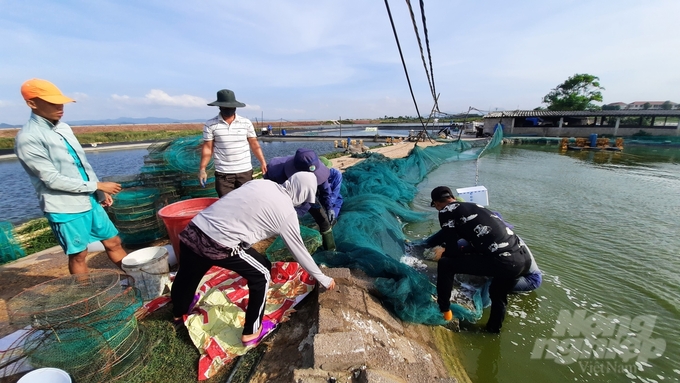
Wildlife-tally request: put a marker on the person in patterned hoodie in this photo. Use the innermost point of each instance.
(492, 250)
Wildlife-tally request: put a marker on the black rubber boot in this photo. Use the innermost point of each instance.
(328, 240)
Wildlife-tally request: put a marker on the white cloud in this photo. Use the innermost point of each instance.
(252, 108)
(79, 96)
(123, 98)
(160, 98)
(306, 59)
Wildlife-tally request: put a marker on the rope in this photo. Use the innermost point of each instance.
(403, 62)
(480, 154)
(429, 54)
(428, 71)
(424, 131)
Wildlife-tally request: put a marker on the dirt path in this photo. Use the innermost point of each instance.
(398, 150)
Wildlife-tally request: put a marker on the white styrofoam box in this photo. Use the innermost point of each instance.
(476, 194)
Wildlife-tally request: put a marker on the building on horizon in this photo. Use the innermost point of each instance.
(643, 105)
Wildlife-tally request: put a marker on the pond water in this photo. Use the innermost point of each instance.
(18, 202)
(605, 229)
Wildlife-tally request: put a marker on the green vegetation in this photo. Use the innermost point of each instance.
(131, 136)
(172, 356)
(122, 136)
(641, 121)
(398, 120)
(35, 235)
(642, 133)
(335, 154)
(6, 143)
(343, 122)
(416, 120)
(576, 93)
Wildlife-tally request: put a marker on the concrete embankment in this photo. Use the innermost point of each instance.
(358, 340)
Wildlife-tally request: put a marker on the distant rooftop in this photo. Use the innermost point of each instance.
(584, 113)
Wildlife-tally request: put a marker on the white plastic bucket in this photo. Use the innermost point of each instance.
(149, 267)
(172, 258)
(95, 246)
(46, 375)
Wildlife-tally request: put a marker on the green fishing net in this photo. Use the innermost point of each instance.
(83, 324)
(169, 174)
(9, 246)
(278, 252)
(369, 234)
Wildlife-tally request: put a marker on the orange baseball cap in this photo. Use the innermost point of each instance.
(45, 90)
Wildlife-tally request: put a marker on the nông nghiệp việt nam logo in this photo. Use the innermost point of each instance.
(616, 342)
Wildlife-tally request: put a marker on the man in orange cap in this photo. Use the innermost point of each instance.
(69, 192)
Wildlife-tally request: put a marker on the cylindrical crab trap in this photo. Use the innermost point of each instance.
(84, 324)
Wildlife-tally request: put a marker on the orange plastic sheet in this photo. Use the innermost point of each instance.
(216, 323)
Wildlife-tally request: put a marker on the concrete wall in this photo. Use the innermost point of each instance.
(576, 131)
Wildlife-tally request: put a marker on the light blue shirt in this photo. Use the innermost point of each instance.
(67, 217)
(53, 171)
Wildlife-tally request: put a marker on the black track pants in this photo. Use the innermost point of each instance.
(249, 264)
(504, 273)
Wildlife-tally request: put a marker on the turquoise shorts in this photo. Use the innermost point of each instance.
(75, 231)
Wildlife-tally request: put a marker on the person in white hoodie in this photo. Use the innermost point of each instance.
(221, 235)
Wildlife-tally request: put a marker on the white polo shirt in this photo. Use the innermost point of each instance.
(231, 151)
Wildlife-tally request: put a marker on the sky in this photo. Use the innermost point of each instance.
(323, 60)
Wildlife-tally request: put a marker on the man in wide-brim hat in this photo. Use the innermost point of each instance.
(226, 139)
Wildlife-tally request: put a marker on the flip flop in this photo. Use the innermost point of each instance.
(177, 323)
(267, 327)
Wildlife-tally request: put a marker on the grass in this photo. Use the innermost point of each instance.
(332, 155)
(129, 136)
(6, 143)
(35, 235)
(171, 356)
(132, 136)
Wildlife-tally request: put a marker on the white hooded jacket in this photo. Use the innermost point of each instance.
(261, 209)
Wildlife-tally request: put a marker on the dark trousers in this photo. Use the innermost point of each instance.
(504, 272)
(320, 217)
(250, 264)
(224, 183)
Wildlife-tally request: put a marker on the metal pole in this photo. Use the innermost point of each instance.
(340, 122)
